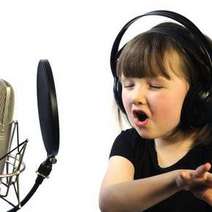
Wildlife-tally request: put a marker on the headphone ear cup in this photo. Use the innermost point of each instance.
(117, 91)
(196, 111)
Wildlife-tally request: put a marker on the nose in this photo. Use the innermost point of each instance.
(139, 96)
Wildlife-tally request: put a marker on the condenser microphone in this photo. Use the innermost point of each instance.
(6, 119)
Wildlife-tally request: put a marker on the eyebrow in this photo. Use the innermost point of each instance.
(160, 78)
(125, 79)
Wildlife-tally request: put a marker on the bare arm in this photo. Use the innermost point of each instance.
(120, 193)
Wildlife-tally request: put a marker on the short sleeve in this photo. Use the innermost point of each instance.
(123, 145)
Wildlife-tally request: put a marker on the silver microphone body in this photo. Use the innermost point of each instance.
(6, 119)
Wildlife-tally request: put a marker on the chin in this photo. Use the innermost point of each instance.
(143, 134)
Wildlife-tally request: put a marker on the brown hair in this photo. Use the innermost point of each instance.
(144, 56)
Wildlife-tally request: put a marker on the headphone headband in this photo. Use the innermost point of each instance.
(201, 39)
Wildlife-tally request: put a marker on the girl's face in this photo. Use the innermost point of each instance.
(160, 99)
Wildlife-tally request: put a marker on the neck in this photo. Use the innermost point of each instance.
(178, 142)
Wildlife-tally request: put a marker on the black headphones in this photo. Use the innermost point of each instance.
(198, 102)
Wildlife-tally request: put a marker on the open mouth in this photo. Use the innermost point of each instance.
(140, 115)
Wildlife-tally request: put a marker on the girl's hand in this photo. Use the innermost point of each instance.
(198, 181)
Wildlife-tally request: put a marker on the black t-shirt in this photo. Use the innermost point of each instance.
(142, 154)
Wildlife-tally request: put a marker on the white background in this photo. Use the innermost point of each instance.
(76, 37)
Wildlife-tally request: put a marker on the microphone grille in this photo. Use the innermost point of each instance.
(6, 102)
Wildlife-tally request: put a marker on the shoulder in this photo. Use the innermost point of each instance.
(121, 163)
(127, 144)
(129, 136)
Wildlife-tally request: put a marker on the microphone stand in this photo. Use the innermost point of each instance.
(43, 172)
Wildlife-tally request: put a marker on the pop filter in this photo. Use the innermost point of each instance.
(49, 124)
(47, 108)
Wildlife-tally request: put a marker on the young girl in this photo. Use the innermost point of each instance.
(162, 163)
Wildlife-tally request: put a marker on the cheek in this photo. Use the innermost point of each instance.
(125, 100)
(166, 106)
(127, 103)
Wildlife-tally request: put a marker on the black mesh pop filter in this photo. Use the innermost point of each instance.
(47, 108)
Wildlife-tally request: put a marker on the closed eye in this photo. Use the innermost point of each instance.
(155, 86)
(155, 83)
(128, 85)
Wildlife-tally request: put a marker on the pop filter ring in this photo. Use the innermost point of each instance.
(47, 108)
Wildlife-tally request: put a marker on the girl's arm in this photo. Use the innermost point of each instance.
(120, 193)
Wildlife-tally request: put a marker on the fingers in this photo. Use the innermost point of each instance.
(201, 170)
(195, 178)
